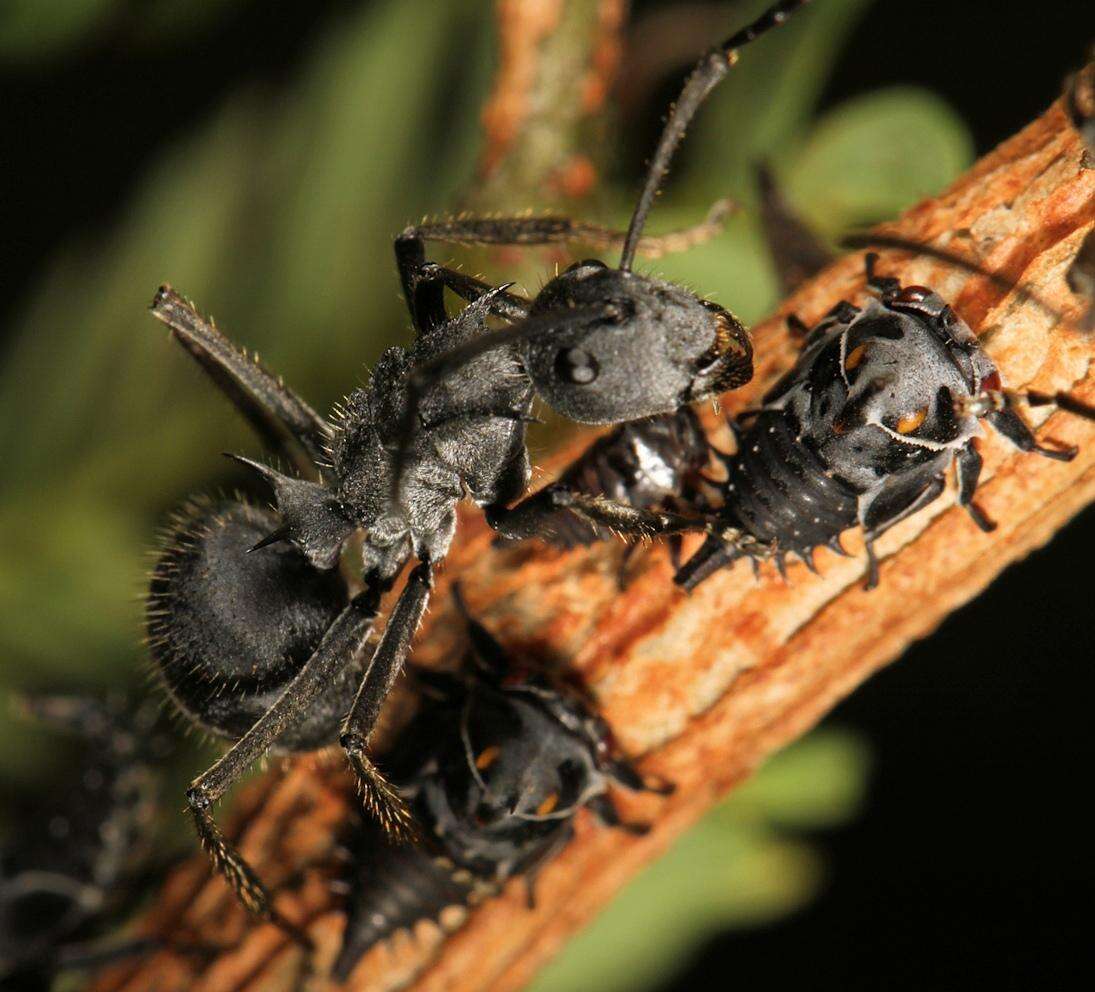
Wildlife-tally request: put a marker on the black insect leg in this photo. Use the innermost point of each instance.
(545, 230)
(379, 797)
(535, 516)
(424, 282)
(885, 286)
(968, 469)
(343, 640)
(532, 866)
(797, 253)
(1015, 429)
(901, 506)
(424, 285)
(1008, 422)
(488, 653)
(606, 812)
(797, 327)
(281, 418)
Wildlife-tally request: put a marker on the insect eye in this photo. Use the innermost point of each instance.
(913, 294)
(587, 266)
(912, 421)
(576, 366)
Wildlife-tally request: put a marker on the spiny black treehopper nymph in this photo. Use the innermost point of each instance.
(495, 767)
(883, 400)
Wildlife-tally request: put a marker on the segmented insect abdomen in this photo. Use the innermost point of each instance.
(393, 888)
(644, 464)
(778, 490)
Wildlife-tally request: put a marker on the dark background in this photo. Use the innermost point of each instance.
(972, 861)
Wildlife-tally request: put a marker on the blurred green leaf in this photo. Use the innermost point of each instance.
(876, 155)
(732, 869)
(160, 21)
(32, 29)
(817, 782)
(765, 104)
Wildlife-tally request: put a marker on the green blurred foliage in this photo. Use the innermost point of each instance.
(276, 215)
(737, 867)
(33, 31)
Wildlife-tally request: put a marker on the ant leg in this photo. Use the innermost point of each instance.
(968, 469)
(344, 638)
(424, 284)
(536, 516)
(551, 229)
(381, 800)
(281, 418)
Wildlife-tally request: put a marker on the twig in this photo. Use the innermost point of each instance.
(704, 686)
(558, 59)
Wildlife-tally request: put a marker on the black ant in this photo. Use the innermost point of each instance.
(265, 648)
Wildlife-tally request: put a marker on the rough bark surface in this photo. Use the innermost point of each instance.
(704, 686)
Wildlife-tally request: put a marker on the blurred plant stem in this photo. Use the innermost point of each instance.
(544, 122)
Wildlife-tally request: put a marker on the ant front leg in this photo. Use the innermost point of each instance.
(424, 282)
(345, 637)
(538, 515)
(380, 798)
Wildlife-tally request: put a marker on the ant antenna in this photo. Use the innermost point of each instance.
(708, 73)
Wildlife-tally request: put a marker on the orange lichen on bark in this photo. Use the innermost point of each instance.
(703, 686)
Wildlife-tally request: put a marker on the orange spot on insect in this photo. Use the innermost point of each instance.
(912, 421)
(855, 357)
(487, 757)
(548, 805)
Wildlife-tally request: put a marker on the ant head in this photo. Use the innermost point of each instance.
(634, 347)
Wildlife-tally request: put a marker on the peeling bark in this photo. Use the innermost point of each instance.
(703, 686)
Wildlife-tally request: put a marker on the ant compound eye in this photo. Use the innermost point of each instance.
(913, 294)
(576, 366)
(586, 267)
